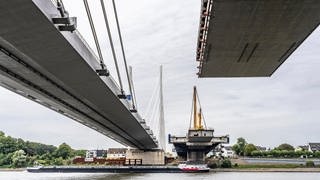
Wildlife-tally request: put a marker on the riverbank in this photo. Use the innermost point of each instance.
(304, 170)
(12, 170)
(311, 170)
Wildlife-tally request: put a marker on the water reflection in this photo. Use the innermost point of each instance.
(160, 176)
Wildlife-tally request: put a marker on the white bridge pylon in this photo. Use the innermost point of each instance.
(154, 114)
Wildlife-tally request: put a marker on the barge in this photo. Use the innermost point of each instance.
(110, 169)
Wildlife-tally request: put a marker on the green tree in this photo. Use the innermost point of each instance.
(31, 160)
(285, 146)
(226, 163)
(58, 161)
(15, 152)
(248, 149)
(7, 144)
(2, 157)
(6, 159)
(19, 159)
(239, 147)
(256, 153)
(275, 153)
(236, 149)
(64, 151)
(317, 154)
(33, 148)
(81, 153)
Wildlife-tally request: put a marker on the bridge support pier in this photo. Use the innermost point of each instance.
(196, 157)
(148, 157)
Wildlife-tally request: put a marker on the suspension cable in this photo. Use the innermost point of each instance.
(61, 8)
(122, 49)
(131, 80)
(111, 44)
(152, 110)
(204, 122)
(94, 33)
(154, 115)
(154, 92)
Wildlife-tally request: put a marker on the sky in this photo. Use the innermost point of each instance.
(283, 108)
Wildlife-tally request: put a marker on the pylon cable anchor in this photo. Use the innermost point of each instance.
(65, 23)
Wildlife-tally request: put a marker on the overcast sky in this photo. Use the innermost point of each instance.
(265, 111)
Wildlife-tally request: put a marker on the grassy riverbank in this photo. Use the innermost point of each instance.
(311, 170)
(12, 169)
(255, 166)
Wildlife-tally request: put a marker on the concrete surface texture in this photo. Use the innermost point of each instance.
(250, 38)
(58, 70)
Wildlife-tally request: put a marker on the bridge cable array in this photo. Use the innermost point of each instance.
(111, 44)
(134, 93)
(154, 114)
(123, 53)
(130, 82)
(103, 66)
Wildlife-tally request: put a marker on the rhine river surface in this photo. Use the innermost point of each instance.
(155, 176)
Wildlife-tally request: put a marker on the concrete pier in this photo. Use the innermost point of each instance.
(194, 147)
(150, 157)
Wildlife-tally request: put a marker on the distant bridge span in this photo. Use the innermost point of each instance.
(58, 70)
(252, 38)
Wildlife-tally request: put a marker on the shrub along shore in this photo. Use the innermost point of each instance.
(305, 170)
(17, 153)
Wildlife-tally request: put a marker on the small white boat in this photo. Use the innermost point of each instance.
(194, 167)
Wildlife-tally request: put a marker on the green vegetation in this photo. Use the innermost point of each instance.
(19, 159)
(242, 148)
(249, 148)
(310, 164)
(17, 153)
(284, 154)
(226, 163)
(257, 166)
(285, 147)
(219, 163)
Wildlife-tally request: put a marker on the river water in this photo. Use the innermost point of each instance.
(164, 176)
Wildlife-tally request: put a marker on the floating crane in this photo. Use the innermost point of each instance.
(199, 140)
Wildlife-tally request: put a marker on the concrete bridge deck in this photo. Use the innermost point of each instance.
(251, 38)
(58, 70)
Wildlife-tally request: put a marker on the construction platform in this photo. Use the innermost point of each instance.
(199, 140)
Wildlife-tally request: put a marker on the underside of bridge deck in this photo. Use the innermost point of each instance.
(58, 70)
(250, 38)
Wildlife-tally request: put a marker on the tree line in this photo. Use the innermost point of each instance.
(243, 148)
(17, 153)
